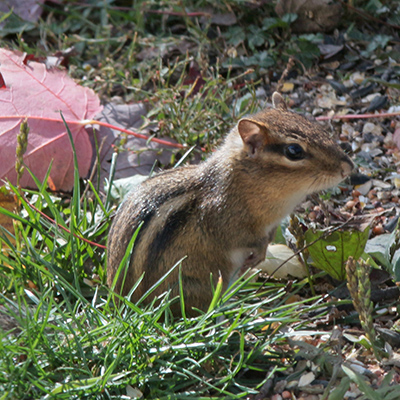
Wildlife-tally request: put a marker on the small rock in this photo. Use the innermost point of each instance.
(370, 97)
(376, 152)
(363, 200)
(369, 127)
(306, 379)
(368, 147)
(309, 397)
(280, 386)
(365, 188)
(381, 184)
(377, 103)
(357, 78)
(378, 230)
(287, 87)
(350, 204)
(388, 138)
(312, 215)
(292, 384)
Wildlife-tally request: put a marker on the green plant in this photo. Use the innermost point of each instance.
(330, 251)
(74, 341)
(359, 285)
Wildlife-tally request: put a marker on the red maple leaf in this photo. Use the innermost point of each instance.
(40, 94)
(2, 82)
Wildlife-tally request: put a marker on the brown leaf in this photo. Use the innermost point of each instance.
(140, 156)
(28, 10)
(313, 15)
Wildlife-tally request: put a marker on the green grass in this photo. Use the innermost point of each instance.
(74, 339)
(75, 343)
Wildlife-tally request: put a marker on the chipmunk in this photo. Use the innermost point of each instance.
(219, 216)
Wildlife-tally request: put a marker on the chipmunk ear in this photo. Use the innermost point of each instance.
(254, 135)
(278, 102)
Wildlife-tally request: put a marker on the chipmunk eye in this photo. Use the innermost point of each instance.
(294, 152)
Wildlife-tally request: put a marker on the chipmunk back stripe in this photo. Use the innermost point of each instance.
(175, 222)
(149, 210)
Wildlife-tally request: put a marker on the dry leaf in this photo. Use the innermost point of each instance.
(287, 87)
(140, 156)
(28, 10)
(312, 15)
(276, 255)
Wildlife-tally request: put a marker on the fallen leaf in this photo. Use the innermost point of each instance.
(306, 379)
(287, 87)
(313, 15)
(329, 50)
(28, 10)
(331, 253)
(276, 255)
(34, 91)
(140, 156)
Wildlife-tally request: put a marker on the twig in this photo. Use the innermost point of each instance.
(290, 64)
(101, 123)
(358, 116)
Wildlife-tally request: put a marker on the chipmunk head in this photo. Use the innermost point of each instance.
(293, 148)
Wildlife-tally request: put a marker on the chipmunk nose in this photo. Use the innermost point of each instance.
(347, 166)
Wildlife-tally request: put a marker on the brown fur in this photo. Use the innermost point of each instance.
(219, 215)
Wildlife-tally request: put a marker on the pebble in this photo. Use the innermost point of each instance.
(347, 130)
(306, 379)
(369, 98)
(350, 204)
(378, 230)
(372, 194)
(364, 188)
(357, 78)
(280, 386)
(309, 397)
(369, 127)
(312, 215)
(383, 196)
